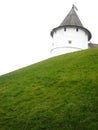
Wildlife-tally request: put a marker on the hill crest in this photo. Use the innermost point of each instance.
(56, 94)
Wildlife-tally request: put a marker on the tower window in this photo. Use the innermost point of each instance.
(77, 29)
(64, 29)
(69, 41)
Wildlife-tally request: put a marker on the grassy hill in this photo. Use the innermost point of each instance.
(60, 93)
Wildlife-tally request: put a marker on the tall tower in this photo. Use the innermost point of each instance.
(70, 36)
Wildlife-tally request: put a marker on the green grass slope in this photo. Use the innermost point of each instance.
(60, 93)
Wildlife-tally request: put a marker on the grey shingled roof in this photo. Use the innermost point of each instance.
(72, 19)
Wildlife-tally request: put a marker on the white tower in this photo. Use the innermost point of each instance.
(70, 36)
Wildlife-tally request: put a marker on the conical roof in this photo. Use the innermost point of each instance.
(72, 20)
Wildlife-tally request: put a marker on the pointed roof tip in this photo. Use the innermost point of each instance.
(74, 7)
(72, 18)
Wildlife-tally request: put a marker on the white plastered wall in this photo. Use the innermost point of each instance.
(69, 40)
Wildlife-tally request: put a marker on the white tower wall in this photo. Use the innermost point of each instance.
(69, 40)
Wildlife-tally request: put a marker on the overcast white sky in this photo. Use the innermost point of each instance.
(25, 27)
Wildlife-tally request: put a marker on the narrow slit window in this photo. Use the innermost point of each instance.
(77, 29)
(65, 29)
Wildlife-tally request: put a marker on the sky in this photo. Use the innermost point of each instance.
(25, 27)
